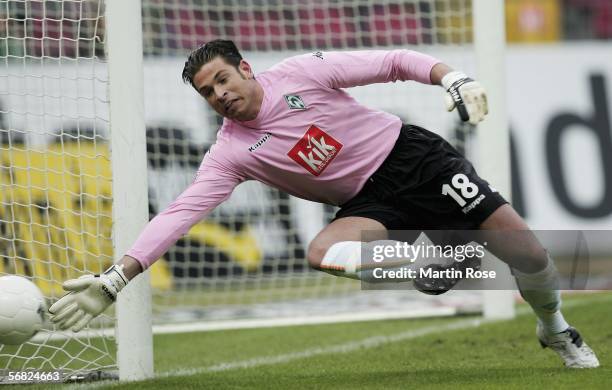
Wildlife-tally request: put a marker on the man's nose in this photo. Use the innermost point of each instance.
(220, 92)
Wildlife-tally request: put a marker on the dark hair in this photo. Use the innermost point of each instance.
(206, 53)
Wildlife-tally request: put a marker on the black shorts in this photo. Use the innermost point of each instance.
(424, 184)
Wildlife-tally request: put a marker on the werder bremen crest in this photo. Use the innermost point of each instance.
(295, 102)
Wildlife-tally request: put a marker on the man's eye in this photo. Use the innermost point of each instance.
(222, 81)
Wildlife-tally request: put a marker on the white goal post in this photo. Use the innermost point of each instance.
(130, 201)
(494, 133)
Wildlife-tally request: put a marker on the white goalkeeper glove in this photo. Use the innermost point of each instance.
(87, 297)
(467, 95)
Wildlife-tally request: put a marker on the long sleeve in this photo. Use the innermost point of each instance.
(354, 68)
(213, 184)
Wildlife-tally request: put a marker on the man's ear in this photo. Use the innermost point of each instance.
(245, 69)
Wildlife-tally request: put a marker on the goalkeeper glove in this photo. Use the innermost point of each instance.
(467, 95)
(87, 297)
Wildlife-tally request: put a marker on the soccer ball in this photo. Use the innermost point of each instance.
(22, 310)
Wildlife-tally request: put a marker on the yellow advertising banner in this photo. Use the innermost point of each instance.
(533, 20)
(56, 214)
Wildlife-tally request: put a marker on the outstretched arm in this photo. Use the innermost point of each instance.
(89, 295)
(355, 68)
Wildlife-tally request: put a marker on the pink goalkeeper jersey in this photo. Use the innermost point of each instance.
(310, 139)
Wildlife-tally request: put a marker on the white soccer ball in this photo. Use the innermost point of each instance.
(22, 310)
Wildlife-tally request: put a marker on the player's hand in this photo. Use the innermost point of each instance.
(467, 95)
(87, 297)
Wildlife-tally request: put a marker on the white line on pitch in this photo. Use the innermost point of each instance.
(367, 343)
(203, 326)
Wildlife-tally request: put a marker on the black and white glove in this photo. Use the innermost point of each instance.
(87, 297)
(467, 95)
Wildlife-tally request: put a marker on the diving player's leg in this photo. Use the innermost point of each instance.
(519, 247)
(537, 279)
(534, 271)
(337, 248)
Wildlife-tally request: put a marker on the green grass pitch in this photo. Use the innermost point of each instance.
(384, 355)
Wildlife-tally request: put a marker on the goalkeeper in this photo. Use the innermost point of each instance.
(293, 127)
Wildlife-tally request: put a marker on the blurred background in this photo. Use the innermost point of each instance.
(173, 26)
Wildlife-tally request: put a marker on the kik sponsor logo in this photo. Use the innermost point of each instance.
(315, 150)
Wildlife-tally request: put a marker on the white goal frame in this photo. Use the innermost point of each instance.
(494, 133)
(130, 197)
(128, 150)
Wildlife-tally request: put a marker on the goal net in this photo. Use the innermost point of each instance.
(246, 260)
(55, 179)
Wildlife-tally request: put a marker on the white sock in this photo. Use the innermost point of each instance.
(344, 259)
(541, 291)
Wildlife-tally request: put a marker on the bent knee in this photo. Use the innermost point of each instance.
(316, 252)
(531, 258)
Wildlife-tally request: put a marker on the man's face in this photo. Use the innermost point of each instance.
(229, 91)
